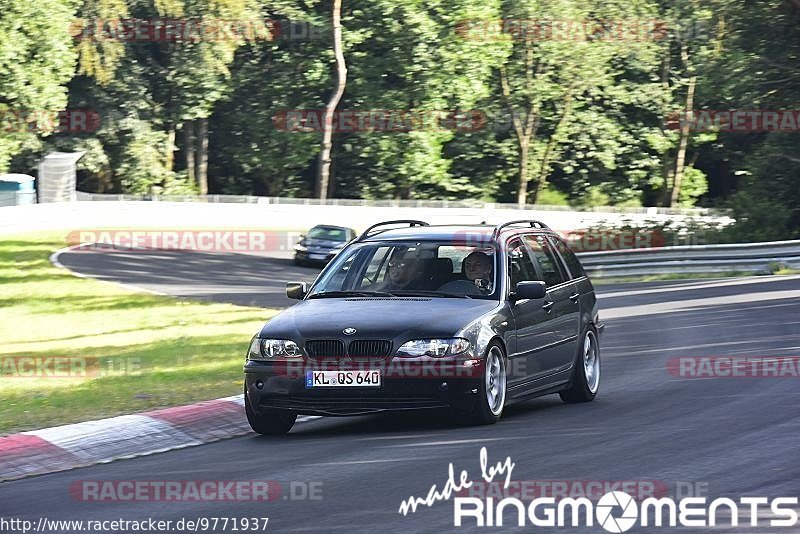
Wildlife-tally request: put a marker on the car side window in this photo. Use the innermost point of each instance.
(376, 268)
(545, 256)
(520, 265)
(572, 261)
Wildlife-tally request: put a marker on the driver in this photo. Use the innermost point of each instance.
(403, 270)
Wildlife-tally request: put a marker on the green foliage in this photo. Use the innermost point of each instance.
(695, 185)
(593, 197)
(552, 197)
(142, 166)
(36, 62)
(598, 104)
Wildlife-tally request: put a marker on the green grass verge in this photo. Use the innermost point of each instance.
(153, 351)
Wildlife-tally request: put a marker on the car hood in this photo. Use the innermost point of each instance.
(376, 317)
(322, 243)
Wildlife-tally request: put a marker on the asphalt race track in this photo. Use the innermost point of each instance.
(733, 437)
(245, 279)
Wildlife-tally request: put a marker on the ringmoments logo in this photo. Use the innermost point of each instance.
(618, 511)
(615, 511)
(605, 511)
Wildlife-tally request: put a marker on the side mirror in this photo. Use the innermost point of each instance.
(296, 290)
(530, 290)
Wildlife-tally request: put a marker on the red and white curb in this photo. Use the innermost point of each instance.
(92, 442)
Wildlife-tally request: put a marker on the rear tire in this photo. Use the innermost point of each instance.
(585, 381)
(492, 391)
(268, 424)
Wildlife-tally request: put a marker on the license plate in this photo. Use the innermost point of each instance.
(327, 379)
(317, 256)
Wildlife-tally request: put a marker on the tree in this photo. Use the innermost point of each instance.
(36, 62)
(693, 34)
(252, 150)
(327, 121)
(562, 58)
(408, 60)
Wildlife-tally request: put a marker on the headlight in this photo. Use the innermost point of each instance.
(434, 347)
(266, 349)
(300, 247)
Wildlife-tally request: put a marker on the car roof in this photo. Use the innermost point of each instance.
(477, 232)
(332, 227)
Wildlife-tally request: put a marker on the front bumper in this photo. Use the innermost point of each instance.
(313, 256)
(274, 386)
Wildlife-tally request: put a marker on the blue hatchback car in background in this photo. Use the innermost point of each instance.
(321, 244)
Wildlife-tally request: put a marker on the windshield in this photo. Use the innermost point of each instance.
(423, 268)
(328, 233)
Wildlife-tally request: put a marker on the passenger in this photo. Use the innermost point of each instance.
(477, 268)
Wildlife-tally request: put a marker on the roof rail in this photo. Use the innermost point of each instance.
(532, 223)
(410, 222)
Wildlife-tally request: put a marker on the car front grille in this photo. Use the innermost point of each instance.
(358, 348)
(325, 348)
(374, 348)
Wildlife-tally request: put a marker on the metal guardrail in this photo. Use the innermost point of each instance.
(395, 203)
(755, 258)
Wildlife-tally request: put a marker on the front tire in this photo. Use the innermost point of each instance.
(268, 424)
(586, 375)
(492, 391)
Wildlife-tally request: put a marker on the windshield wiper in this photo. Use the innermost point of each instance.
(334, 294)
(426, 293)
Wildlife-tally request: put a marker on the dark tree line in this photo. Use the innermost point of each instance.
(552, 101)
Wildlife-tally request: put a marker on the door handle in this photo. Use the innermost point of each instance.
(546, 306)
(575, 297)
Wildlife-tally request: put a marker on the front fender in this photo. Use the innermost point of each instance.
(497, 324)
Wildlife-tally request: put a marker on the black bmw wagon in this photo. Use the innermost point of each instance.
(410, 316)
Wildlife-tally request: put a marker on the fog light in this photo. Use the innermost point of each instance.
(259, 384)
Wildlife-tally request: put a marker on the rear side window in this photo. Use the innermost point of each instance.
(573, 264)
(544, 255)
